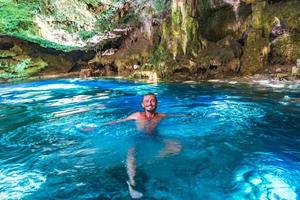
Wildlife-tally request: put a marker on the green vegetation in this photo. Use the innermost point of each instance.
(21, 68)
(14, 63)
(16, 17)
(63, 25)
(106, 21)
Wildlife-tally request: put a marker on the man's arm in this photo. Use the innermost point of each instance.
(130, 117)
(178, 115)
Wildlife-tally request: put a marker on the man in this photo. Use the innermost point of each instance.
(146, 122)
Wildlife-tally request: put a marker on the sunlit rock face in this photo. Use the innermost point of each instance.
(71, 25)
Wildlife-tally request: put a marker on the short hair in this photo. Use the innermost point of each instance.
(150, 93)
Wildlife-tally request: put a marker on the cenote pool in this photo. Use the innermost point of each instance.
(233, 141)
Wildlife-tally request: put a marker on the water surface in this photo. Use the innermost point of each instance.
(238, 141)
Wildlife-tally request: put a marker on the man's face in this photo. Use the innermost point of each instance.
(149, 103)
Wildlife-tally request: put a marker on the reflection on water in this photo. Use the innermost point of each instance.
(233, 141)
(16, 184)
(266, 177)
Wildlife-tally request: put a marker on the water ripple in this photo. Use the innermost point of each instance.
(17, 182)
(265, 176)
(235, 141)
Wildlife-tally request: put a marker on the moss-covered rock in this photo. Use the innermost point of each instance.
(258, 9)
(255, 53)
(285, 49)
(181, 51)
(216, 61)
(70, 24)
(286, 11)
(135, 51)
(21, 59)
(222, 22)
(182, 37)
(14, 63)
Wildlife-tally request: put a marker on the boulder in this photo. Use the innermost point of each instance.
(285, 49)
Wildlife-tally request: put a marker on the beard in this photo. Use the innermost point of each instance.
(150, 108)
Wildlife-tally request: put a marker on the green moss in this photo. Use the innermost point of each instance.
(161, 53)
(176, 18)
(43, 42)
(106, 19)
(17, 21)
(285, 49)
(191, 32)
(92, 2)
(286, 12)
(22, 68)
(84, 35)
(6, 54)
(255, 53)
(160, 5)
(204, 6)
(16, 17)
(16, 64)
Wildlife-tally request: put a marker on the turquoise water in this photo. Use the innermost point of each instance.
(235, 142)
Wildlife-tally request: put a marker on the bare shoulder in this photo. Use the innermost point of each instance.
(135, 115)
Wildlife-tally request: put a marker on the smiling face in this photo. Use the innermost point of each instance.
(149, 103)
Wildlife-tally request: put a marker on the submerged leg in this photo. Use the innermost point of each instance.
(131, 165)
(131, 171)
(171, 147)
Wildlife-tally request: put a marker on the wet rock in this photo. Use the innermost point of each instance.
(180, 33)
(282, 76)
(148, 75)
(110, 70)
(256, 47)
(16, 63)
(85, 73)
